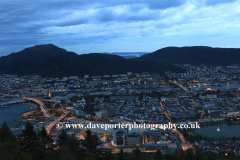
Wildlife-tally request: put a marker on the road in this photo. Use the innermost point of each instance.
(51, 125)
(165, 112)
(181, 86)
(49, 100)
(185, 144)
(46, 113)
(44, 110)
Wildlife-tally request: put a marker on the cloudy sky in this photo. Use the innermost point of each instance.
(87, 26)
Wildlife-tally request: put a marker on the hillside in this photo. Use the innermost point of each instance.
(195, 55)
(52, 61)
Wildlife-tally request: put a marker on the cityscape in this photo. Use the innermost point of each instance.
(120, 80)
(204, 94)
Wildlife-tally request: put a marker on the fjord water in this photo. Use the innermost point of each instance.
(224, 86)
(11, 113)
(228, 86)
(225, 131)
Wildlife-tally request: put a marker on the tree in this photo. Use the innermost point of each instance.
(10, 151)
(121, 155)
(62, 138)
(57, 105)
(136, 154)
(69, 146)
(231, 154)
(234, 139)
(221, 154)
(72, 143)
(63, 102)
(85, 155)
(6, 133)
(38, 107)
(158, 155)
(74, 99)
(28, 139)
(108, 155)
(48, 105)
(30, 143)
(8, 145)
(91, 141)
(189, 154)
(198, 155)
(45, 140)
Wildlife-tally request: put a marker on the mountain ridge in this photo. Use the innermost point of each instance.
(51, 61)
(195, 55)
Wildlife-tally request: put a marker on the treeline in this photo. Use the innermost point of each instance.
(31, 145)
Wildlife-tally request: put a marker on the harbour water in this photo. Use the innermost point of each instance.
(225, 131)
(222, 87)
(228, 86)
(11, 113)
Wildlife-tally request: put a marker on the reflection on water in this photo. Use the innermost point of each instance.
(225, 131)
(227, 86)
(11, 113)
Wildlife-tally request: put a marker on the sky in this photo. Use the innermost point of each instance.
(95, 26)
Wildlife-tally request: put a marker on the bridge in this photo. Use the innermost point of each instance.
(44, 110)
(51, 125)
(46, 113)
(181, 86)
(15, 101)
(49, 100)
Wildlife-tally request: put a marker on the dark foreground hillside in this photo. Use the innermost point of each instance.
(31, 145)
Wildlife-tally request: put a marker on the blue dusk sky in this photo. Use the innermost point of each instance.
(87, 26)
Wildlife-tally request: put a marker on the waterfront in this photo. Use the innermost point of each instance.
(225, 86)
(228, 86)
(225, 131)
(11, 113)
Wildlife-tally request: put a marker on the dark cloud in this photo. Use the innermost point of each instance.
(164, 4)
(73, 22)
(131, 14)
(105, 15)
(27, 12)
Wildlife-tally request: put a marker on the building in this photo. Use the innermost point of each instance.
(165, 148)
(86, 76)
(73, 77)
(134, 139)
(119, 136)
(233, 113)
(100, 114)
(129, 73)
(124, 98)
(106, 76)
(58, 93)
(89, 108)
(80, 113)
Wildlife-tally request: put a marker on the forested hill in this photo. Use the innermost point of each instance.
(51, 61)
(195, 55)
